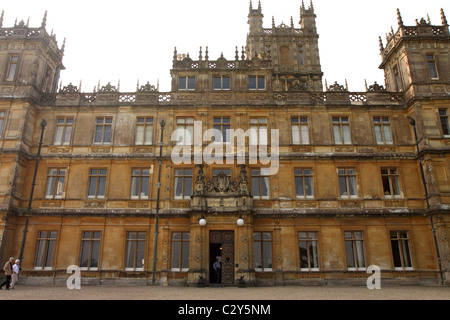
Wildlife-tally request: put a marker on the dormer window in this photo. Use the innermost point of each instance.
(12, 68)
(186, 83)
(256, 83)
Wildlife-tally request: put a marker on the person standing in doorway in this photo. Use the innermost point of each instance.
(217, 270)
(8, 268)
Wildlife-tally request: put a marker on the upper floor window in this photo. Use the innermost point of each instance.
(222, 83)
(303, 183)
(55, 183)
(140, 179)
(257, 83)
(183, 183)
(300, 56)
(258, 131)
(2, 122)
(300, 130)
(260, 183)
(432, 66)
(97, 183)
(185, 131)
(347, 183)
(341, 129)
(186, 83)
(391, 184)
(12, 67)
(223, 125)
(444, 121)
(103, 129)
(144, 131)
(63, 131)
(382, 130)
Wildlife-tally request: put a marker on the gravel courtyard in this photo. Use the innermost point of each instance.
(227, 293)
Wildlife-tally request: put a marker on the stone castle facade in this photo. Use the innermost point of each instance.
(348, 192)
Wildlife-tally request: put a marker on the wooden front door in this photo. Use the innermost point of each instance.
(226, 241)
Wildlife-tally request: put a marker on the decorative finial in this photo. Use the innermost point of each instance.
(63, 46)
(399, 18)
(175, 54)
(44, 20)
(259, 7)
(273, 22)
(365, 84)
(243, 53)
(3, 14)
(236, 56)
(206, 54)
(428, 19)
(200, 57)
(381, 43)
(292, 22)
(443, 18)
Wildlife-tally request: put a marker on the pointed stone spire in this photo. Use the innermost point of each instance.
(3, 14)
(428, 19)
(63, 46)
(381, 44)
(251, 7)
(44, 20)
(200, 56)
(236, 56)
(443, 18)
(273, 22)
(399, 18)
(206, 54)
(243, 53)
(259, 7)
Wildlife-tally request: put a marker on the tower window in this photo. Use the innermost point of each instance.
(256, 83)
(186, 83)
(222, 83)
(300, 56)
(12, 68)
(432, 66)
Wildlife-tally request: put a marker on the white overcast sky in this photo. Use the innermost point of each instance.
(135, 39)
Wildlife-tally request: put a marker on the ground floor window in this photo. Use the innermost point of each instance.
(400, 250)
(354, 248)
(90, 250)
(45, 250)
(135, 252)
(262, 242)
(309, 256)
(180, 251)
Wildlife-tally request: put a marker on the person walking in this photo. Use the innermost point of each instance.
(15, 275)
(8, 268)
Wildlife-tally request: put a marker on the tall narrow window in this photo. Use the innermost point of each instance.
(63, 132)
(103, 128)
(382, 130)
(260, 183)
(97, 183)
(185, 131)
(222, 83)
(444, 121)
(140, 179)
(186, 83)
(258, 131)
(309, 256)
(347, 183)
(90, 250)
(144, 131)
(341, 129)
(135, 252)
(2, 122)
(354, 249)
(300, 130)
(183, 183)
(45, 250)
(262, 243)
(397, 79)
(300, 56)
(12, 68)
(55, 183)
(223, 125)
(180, 251)
(303, 183)
(256, 83)
(391, 184)
(284, 56)
(432, 66)
(400, 250)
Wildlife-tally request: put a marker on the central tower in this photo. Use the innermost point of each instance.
(294, 52)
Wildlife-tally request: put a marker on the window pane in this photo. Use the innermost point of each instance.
(226, 83)
(101, 186)
(378, 134)
(50, 186)
(352, 185)
(135, 187)
(346, 134)
(305, 134)
(313, 254)
(217, 83)
(187, 186)
(144, 187)
(258, 256)
(84, 254)
(67, 134)
(360, 254)
(261, 83)
(387, 134)
(130, 254)
(252, 83)
(350, 254)
(343, 186)
(178, 187)
(140, 252)
(308, 186)
(92, 186)
(295, 134)
(185, 255)
(139, 135)
(396, 254)
(182, 83)
(191, 83)
(107, 136)
(176, 247)
(40, 250)
(267, 251)
(98, 133)
(337, 134)
(299, 186)
(95, 254)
